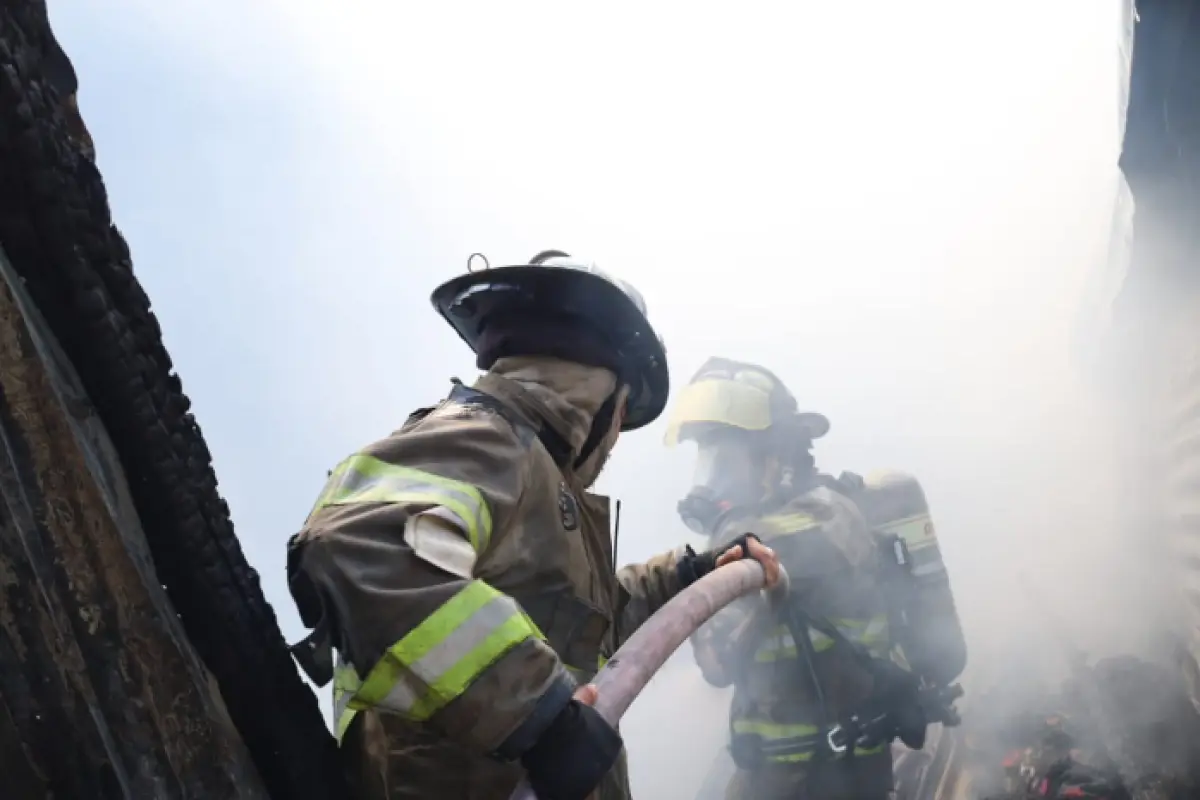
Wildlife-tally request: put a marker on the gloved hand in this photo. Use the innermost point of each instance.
(897, 694)
(694, 566)
(574, 753)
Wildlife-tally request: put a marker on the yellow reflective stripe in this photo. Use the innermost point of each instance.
(782, 647)
(870, 633)
(774, 730)
(366, 479)
(782, 743)
(345, 684)
(343, 723)
(785, 743)
(441, 657)
(794, 758)
(788, 524)
(791, 758)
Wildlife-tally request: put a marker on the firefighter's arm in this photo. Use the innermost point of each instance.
(393, 549)
(720, 645)
(647, 587)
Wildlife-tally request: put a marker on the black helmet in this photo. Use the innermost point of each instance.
(566, 308)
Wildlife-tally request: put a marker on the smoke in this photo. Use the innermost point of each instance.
(901, 209)
(935, 304)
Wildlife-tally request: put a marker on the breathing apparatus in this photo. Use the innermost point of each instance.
(753, 448)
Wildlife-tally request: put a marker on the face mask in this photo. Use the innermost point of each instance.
(728, 474)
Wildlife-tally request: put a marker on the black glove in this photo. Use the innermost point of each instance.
(573, 755)
(897, 695)
(694, 566)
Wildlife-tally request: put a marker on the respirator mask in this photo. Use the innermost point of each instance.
(728, 475)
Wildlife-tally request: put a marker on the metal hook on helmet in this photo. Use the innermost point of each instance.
(471, 260)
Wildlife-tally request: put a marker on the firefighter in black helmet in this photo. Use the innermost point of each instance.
(460, 565)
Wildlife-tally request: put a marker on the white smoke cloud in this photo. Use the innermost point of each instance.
(895, 206)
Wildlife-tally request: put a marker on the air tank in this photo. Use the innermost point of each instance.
(930, 634)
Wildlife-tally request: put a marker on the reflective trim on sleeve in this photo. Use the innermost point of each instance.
(440, 658)
(366, 479)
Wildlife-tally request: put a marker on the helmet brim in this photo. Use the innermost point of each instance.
(468, 301)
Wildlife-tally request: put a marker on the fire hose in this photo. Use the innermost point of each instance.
(629, 670)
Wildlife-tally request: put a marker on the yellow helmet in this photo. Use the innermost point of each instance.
(727, 393)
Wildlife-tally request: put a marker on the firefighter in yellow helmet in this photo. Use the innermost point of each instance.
(462, 571)
(800, 674)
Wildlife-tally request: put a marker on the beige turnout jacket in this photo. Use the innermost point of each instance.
(775, 722)
(469, 577)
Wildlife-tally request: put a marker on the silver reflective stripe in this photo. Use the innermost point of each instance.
(366, 479)
(403, 696)
(450, 652)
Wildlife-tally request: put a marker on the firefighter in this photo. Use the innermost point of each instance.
(801, 671)
(462, 572)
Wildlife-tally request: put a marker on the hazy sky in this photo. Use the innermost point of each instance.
(896, 206)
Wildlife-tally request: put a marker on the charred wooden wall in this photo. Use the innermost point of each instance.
(138, 656)
(101, 694)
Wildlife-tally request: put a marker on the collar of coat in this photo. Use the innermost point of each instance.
(554, 431)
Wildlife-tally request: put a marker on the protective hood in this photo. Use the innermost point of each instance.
(569, 396)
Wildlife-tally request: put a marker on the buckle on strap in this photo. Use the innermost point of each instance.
(838, 740)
